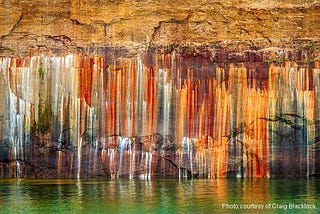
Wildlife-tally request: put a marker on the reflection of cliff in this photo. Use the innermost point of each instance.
(157, 115)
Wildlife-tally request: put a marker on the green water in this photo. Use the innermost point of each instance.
(160, 196)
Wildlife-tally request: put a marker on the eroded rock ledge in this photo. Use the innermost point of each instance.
(73, 25)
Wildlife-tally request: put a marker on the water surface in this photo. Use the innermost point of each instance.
(159, 196)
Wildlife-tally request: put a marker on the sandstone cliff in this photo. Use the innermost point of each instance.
(78, 24)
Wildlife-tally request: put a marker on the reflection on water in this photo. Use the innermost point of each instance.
(156, 196)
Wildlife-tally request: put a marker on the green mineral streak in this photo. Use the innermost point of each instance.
(44, 123)
(41, 70)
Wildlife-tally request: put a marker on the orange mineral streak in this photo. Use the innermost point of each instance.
(85, 79)
(181, 114)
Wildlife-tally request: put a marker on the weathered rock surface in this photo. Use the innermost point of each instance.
(203, 65)
(71, 24)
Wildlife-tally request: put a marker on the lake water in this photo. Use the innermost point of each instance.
(160, 196)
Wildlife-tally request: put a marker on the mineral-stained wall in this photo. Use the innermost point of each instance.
(159, 88)
(160, 114)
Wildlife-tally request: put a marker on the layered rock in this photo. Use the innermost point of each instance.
(159, 88)
(72, 24)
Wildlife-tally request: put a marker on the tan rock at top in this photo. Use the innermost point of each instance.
(71, 24)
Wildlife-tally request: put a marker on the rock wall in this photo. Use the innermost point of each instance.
(159, 114)
(71, 25)
(159, 88)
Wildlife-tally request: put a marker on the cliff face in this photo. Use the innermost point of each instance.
(72, 24)
(159, 88)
